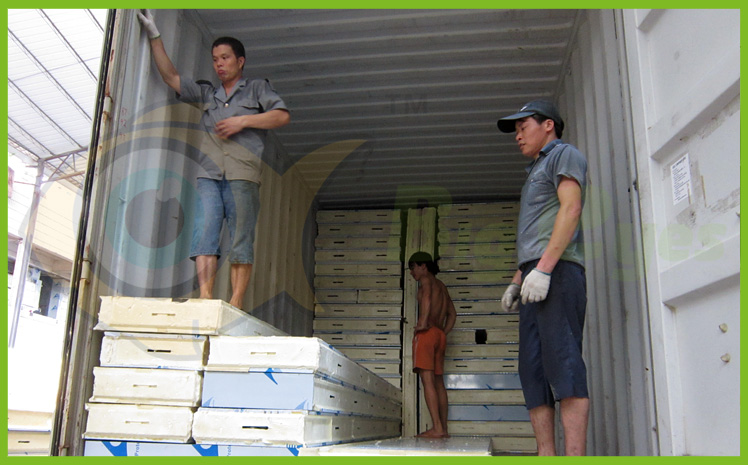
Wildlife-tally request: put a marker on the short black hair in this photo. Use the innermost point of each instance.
(235, 45)
(424, 258)
(559, 128)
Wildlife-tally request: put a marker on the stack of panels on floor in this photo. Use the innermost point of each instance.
(158, 392)
(358, 287)
(29, 432)
(476, 244)
(298, 391)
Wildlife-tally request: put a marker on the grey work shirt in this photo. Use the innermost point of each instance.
(539, 204)
(239, 156)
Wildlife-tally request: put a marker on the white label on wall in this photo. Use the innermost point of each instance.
(680, 173)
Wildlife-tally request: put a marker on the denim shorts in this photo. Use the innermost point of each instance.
(238, 202)
(550, 338)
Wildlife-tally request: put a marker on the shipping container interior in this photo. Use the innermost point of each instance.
(392, 111)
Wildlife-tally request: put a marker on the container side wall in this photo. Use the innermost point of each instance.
(616, 341)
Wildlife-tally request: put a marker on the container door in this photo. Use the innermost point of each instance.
(684, 75)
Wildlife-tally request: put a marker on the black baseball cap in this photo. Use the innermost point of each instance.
(536, 107)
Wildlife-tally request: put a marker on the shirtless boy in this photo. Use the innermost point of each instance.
(436, 318)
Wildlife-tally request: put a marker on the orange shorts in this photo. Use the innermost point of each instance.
(428, 350)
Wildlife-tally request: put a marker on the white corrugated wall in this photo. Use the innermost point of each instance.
(591, 98)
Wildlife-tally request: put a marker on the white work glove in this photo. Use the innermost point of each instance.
(510, 299)
(535, 286)
(146, 19)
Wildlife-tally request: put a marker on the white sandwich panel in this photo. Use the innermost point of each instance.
(491, 428)
(388, 256)
(358, 216)
(361, 339)
(359, 230)
(479, 209)
(138, 422)
(292, 391)
(515, 445)
(276, 427)
(357, 282)
(359, 354)
(357, 269)
(471, 351)
(141, 350)
(346, 243)
(156, 386)
(477, 292)
(481, 366)
(482, 381)
(469, 236)
(356, 324)
(483, 336)
(29, 442)
(293, 355)
(486, 396)
(179, 316)
(333, 296)
(477, 278)
(164, 449)
(382, 368)
(483, 263)
(407, 447)
(378, 296)
(477, 306)
(395, 381)
(24, 420)
(480, 223)
(358, 310)
(488, 413)
(480, 250)
(503, 320)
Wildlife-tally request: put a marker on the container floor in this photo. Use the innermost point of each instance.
(408, 447)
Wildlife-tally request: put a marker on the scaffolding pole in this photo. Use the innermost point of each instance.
(21, 267)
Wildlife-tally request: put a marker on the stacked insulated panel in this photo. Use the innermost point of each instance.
(358, 287)
(476, 246)
(159, 389)
(291, 391)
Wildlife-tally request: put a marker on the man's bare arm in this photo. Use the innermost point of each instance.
(424, 306)
(567, 219)
(165, 67)
(451, 313)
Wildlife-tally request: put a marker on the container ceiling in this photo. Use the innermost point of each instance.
(422, 88)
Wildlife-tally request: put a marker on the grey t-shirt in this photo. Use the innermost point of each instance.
(239, 156)
(539, 204)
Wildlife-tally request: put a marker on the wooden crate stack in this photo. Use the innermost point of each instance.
(477, 257)
(358, 287)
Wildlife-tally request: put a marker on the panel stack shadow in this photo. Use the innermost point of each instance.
(358, 287)
(477, 258)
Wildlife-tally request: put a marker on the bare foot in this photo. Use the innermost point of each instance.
(432, 434)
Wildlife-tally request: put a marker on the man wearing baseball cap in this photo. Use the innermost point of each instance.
(550, 286)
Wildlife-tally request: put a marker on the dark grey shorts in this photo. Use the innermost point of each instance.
(550, 338)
